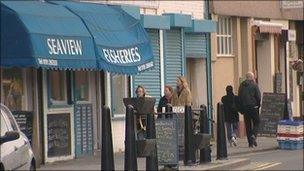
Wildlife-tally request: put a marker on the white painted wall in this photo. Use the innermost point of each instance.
(194, 8)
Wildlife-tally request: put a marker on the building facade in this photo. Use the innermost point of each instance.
(180, 47)
(259, 36)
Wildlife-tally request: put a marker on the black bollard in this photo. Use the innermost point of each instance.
(221, 146)
(130, 143)
(205, 153)
(151, 161)
(189, 157)
(107, 157)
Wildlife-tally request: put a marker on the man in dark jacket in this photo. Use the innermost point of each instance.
(231, 115)
(250, 99)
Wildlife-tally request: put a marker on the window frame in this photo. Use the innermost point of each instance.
(89, 85)
(224, 37)
(57, 103)
(126, 95)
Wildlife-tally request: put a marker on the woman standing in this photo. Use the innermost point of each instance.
(166, 99)
(182, 95)
(141, 120)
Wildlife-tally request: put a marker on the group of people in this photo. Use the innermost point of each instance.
(181, 96)
(248, 103)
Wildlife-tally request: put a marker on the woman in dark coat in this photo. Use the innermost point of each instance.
(166, 99)
(231, 115)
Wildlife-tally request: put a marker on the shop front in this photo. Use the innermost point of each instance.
(53, 58)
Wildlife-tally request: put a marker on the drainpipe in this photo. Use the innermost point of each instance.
(207, 16)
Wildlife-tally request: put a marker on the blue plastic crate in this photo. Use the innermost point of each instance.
(290, 144)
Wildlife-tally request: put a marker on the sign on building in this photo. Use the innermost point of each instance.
(291, 4)
(292, 36)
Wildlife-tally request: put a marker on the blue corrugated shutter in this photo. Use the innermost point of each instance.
(173, 59)
(195, 45)
(151, 79)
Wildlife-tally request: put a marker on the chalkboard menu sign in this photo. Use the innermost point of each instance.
(59, 134)
(83, 129)
(25, 122)
(167, 141)
(273, 108)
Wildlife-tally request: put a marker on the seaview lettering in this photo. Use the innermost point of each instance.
(64, 47)
(122, 56)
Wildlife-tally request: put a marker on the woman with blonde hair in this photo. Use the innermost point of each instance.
(182, 95)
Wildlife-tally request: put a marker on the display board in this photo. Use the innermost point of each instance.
(273, 108)
(58, 134)
(83, 129)
(167, 140)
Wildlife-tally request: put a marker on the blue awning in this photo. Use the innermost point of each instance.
(73, 35)
(122, 44)
(43, 35)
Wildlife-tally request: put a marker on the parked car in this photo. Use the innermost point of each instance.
(15, 150)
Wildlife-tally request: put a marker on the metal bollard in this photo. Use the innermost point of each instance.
(205, 153)
(130, 143)
(107, 157)
(189, 138)
(221, 146)
(151, 161)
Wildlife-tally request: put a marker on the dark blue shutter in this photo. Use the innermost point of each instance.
(151, 79)
(195, 45)
(173, 59)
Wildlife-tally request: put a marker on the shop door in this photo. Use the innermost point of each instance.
(83, 113)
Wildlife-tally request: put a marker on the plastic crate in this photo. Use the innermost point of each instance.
(290, 145)
(299, 138)
(290, 127)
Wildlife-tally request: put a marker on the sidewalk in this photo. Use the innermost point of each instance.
(94, 162)
(264, 144)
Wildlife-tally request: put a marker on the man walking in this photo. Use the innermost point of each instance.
(250, 99)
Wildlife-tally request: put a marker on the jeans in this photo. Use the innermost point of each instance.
(252, 122)
(231, 129)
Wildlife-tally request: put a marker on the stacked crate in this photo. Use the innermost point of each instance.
(290, 134)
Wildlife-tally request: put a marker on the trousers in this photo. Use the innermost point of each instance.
(252, 122)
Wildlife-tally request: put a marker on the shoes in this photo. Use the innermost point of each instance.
(233, 139)
(230, 142)
(254, 140)
(250, 146)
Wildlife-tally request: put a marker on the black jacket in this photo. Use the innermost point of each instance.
(230, 109)
(162, 103)
(249, 94)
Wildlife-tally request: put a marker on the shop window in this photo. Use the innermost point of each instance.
(82, 81)
(224, 36)
(12, 88)
(120, 90)
(57, 87)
